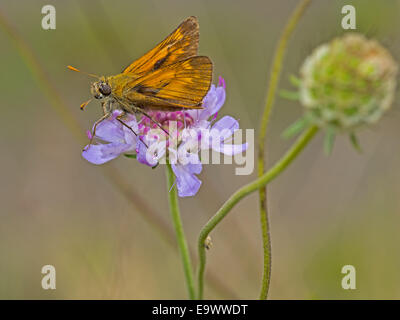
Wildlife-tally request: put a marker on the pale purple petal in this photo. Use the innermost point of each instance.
(201, 124)
(194, 168)
(226, 122)
(155, 151)
(141, 151)
(226, 127)
(102, 153)
(231, 149)
(186, 181)
(187, 158)
(129, 136)
(212, 102)
(110, 130)
(115, 114)
(150, 154)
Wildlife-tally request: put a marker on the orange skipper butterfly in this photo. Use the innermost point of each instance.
(169, 77)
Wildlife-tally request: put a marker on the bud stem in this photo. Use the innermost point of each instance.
(244, 191)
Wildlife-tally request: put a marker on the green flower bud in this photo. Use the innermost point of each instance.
(348, 82)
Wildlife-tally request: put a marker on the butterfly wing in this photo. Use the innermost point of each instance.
(181, 44)
(179, 85)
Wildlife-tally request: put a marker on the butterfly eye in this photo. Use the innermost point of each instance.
(105, 89)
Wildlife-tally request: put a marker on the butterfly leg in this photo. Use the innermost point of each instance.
(130, 128)
(140, 110)
(104, 117)
(151, 119)
(106, 105)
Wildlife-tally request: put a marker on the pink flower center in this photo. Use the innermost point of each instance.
(182, 119)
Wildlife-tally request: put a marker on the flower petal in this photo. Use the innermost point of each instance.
(195, 167)
(201, 124)
(227, 122)
(102, 153)
(212, 102)
(110, 130)
(190, 159)
(232, 149)
(225, 128)
(186, 181)
(129, 135)
(141, 151)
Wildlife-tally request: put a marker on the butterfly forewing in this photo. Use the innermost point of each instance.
(181, 44)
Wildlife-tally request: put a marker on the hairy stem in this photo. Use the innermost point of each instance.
(244, 191)
(269, 102)
(180, 234)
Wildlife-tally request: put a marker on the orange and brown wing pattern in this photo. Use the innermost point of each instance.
(180, 85)
(179, 45)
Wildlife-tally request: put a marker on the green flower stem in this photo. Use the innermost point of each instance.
(269, 102)
(180, 234)
(271, 174)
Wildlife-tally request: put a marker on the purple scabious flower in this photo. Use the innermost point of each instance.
(189, 132)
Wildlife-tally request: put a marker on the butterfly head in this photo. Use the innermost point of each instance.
(100, 89)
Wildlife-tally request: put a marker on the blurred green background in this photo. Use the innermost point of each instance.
(58, 209)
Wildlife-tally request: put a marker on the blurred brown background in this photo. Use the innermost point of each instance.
(58, 209)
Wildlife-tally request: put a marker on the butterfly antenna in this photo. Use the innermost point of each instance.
(83, 105)
(77, 70)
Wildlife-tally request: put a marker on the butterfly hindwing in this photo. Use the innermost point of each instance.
(180, 85)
